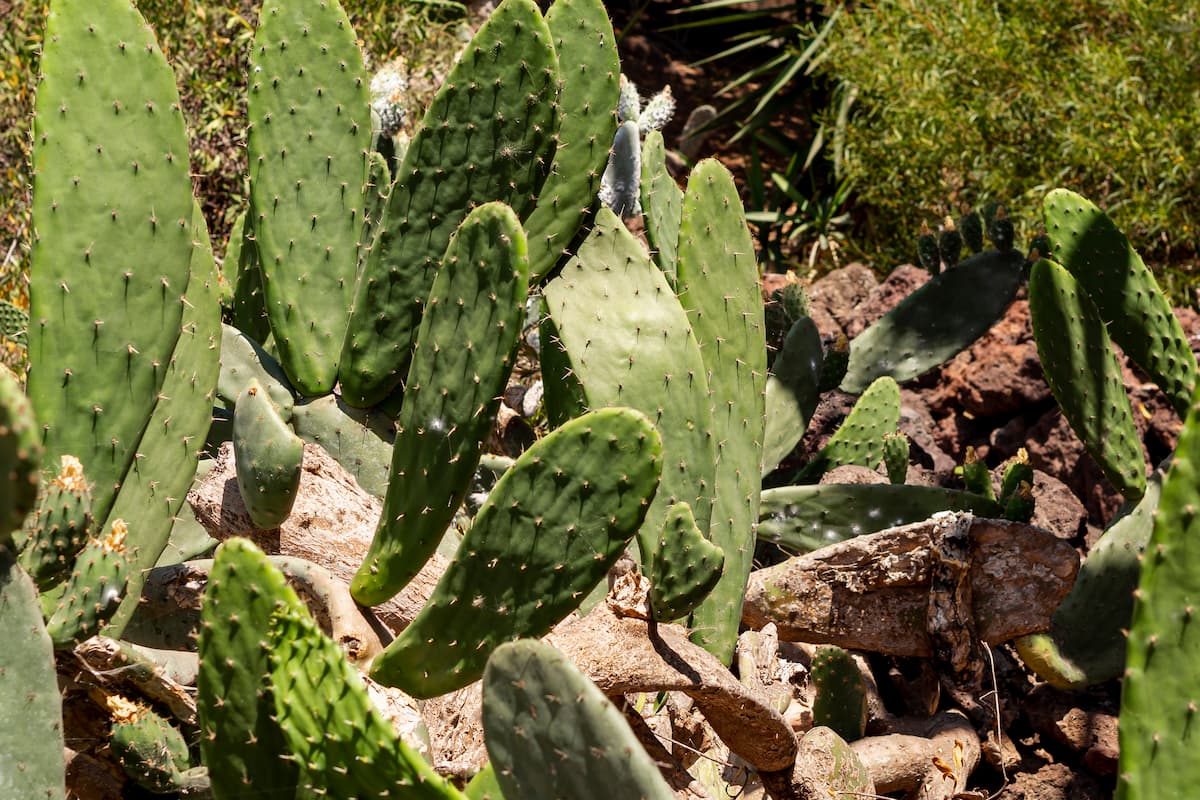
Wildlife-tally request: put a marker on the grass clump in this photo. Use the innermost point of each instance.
(962, 103)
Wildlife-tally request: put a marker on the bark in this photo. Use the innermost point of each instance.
(873, 592)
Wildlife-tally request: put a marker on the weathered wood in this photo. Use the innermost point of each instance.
(331, 525)
(873, 592)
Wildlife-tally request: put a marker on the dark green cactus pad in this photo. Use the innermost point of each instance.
(719, 289)
(113, 244)
(243, 360)
(840, 698)
(662, 204)
(970, 225)
(347, 748)
(464, 353)
(1159, 693)
(20, 456)
(151, 750)
(1000, 231)
(792, 395)
(630, 344)
(1083, 373)
(928, 252)
(248, 311)
(358, 439)
(1138, 316)
(488, 135)
(564, 397)
(309, 133)
(31, 733)
(936, 321)
(59, 528)
(859, 439)
(687, 566)
(806, 518)
(157, 483)
(950, 244)
(551, 733)
(587, 52)
(548, 532)
(93, 591)
(895, 456)
(242, 744)
(14, 323)
(379, 186)
(1086, 641)
(269, 458)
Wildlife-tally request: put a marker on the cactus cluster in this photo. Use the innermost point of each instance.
(373, 300)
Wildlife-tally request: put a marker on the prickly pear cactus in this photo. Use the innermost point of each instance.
(241, 741)
(687, 566)
(612, 285)
(718, 287)
(859, 439)
(309, 133)
(935, 322)
(792, 392)
(805, 518)
(59, 528)
(1084, 375)
(31, 734)
(112, 212)
(1158, 698)
(551, 733)
(840, 701)
(547, 534)
(346, 747)
(488, 135)
(269, 458)
(464, 353)
(1137, 314)
(150, 749)
(94, 590)
(662, 204)
(20, 456)
(586, 46)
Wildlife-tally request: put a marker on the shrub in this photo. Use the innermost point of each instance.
(961, 103)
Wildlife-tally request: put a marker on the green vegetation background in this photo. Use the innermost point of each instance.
(208, 42)
(958, 103)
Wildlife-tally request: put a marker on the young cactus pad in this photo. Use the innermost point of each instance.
(269, 458)
(551, 733)
(112, 210)
(461, 363)
(548, 532)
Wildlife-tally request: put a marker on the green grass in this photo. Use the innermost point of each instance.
(208, 43)
(965, 102)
